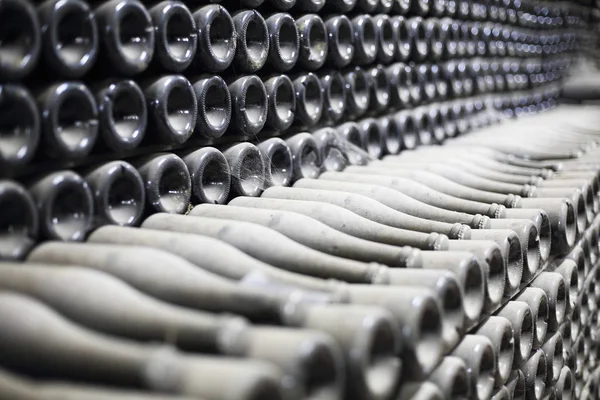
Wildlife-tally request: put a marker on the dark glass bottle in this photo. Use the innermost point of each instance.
(397, 75)
(175, 35)
(167, 182)
(402, 35)
(172, 109)
(367, 6)
(19, 223)
(69, 120)
(20, 36)
(252, 40)
(127, 35)
(340, 34)
(214, 106)
(340, 6)
(122, 114)
(365, 39)
(119, 195)
(69, 36)
(250, 105)
(386, 38)
(313, 41)
(309, 5)
(334, 96)
(379, 88)
(216, 38)
(65, 206)
(282, 102)
(309, 99)
(247, 169)
(419, 39)
(435, 37)
(277, 156)
(20, 125)
(306, 156)
(284, 41)
(373, 136)
(357, 84)
(401, 7)
(406, 124)
(209, 173)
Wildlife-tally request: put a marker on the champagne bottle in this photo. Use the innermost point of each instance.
(209, 174)
(216, 38)
(252, 40)
(214, 106)
(19, 228)
(22, 38)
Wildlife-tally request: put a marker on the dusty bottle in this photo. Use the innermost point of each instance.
(386, 38)
(129, 38)
(172, 108)
(365, 39)
(357, 84)
(249, 105)
(340, 37)
(209, 175)
(520, 316)
(309, 99)
(277, 157)
(119, 193)
(70, 42)
(175, 36)
(148, 320)
(284, 41)
(252, 40)
(306, 156)
(281, 102)
(21, 120)
(69, 120)
(122, 114)
(246, 167)
(24, 42)
(535, 373)
(501, 334)
(65, 205)
(452, 377)
(129, 361)
(537, 300)
(379, 88)
(478, 354)
(290, 256)
(216, 49)
(335, 96)
(312, 34)
(554, 285)
(20, 223)
(214, 106)
(186, 284)
(167, 182)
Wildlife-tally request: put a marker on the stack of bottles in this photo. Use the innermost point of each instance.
(310, 199)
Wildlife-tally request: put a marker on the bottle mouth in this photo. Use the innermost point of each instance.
(506, 353)
(310, 109)
(497, 277)
(181, 109)
(565, 384)
(374, 139)
(532, 257)
(386, 35)
(351, 133)
(540, 311)
(124, 200)
(359, 90)
(524, 338)
(316, 44)
(514, 265)
(545, 238)
(221, 43)
(425, 128)
(75, 121)
(18, 213)
(540, 377)
(74, 37)
(278, 159)
(570, 219)
(282, 108)
(210, 177)
(19, 126)
(286, 42)
(343, 40)
(393, 136)
(69, 209)
(420, 39)
(403, 45)
(255, 105)
(174, 187)
(473, 289)
(21, 44)
(322, 375)
(135, 36)
(454, 317)
(335, 96)
(409, 133)
(380, 87)
(309, 160)
(216, 108)
(484, 385)
(366, 30)
(248, 173)
(254, 36)
(556, 362)
(127, 115)
(179, 36)
(428, 348)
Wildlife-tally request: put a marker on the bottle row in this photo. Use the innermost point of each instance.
(466, 269)
(70, 39)
(71, 120)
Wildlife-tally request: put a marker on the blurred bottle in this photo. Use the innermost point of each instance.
(379, 88)
(365, 39)
(20, 223)
(278, 160)
(250, 105)
(334, 96)
(21, 39)
(69, 36)
(357, 84)
(69, 120)
(209, 174)
(122, 114)
(418, 36)
(284, 41)
(127, 35)
(252, 40)
(402, 35)
(340, 34)
(386, 38)
(172, 109)
(65, 206)
(175, 35)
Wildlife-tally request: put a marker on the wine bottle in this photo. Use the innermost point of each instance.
(119, 193)
(402, 35)
(357, 83)
(69, 120)
(365, 39)
(21, 38)
(340, 34)
(334, 96)
(122, 114)
(65, 205)
(214, 106)
(128, 35)
(387, 40)
(209, 174)
(372, 135)
(277, 157)
(247, 169)
(250, 105)
(309, 99)
(379, 88)
(70, 39)
(282, 102)
(167, 182)
(20, 226)
(306, 157)
(216, 49)
(252, 40)
(176, 40)
(312, 34)
(284, 41)
(333, 150)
